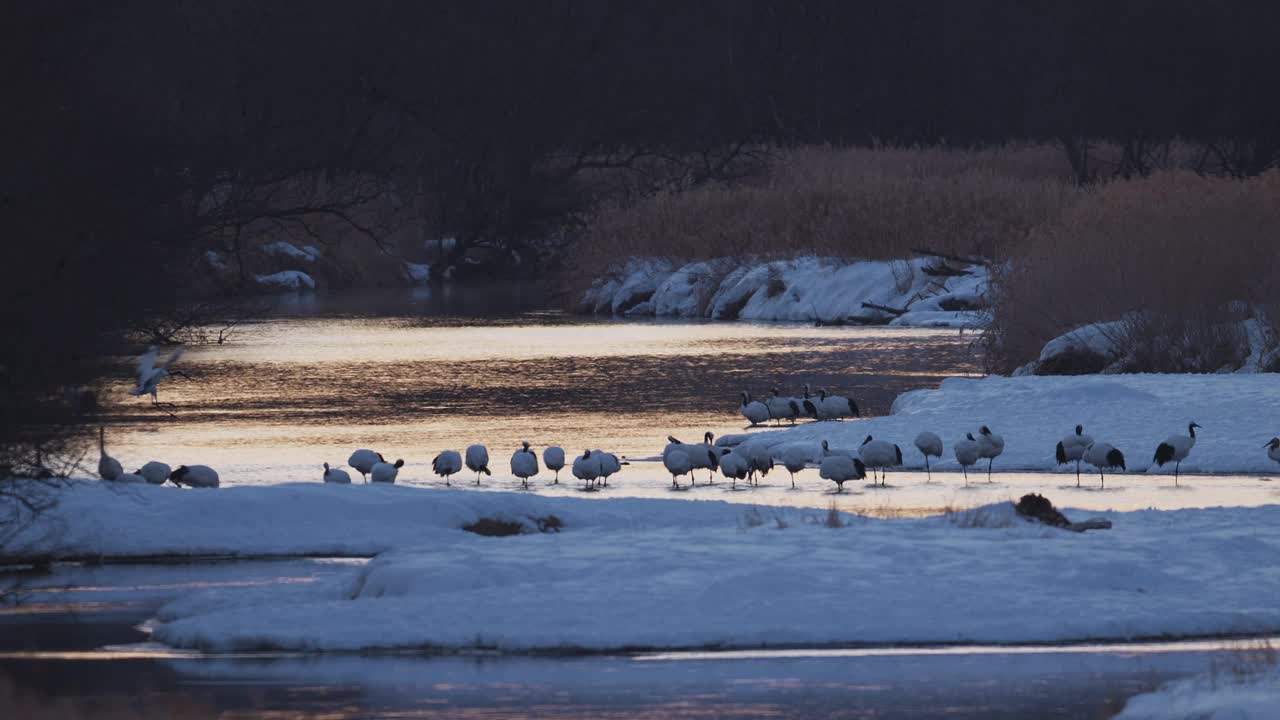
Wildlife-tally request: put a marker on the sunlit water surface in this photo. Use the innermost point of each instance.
(288, 394)
(410, 376)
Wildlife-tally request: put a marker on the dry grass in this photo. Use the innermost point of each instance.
(873, 203)
(1182, 250)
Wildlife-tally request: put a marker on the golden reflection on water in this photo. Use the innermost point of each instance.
(288, 395)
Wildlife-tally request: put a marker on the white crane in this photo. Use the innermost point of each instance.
(734, 466)
(1104, 457)
(448, 462)
(1072, 447)
(524, 463)
(364, 460)
(796, 458)
(150, 374)
(967, 453)
(754, 411)
(1175, 449)
(675, 458)
(385, 472)
(336, 475)
(108, 467)
(840, 468)
(703, 455)
(586, 467)
(478, 460)
(880, 454)
(610, 464)
(155, 472)
(838, 407)
(553, 458)
(194, 476)
(759, 460)
(929, 444)
(782, 408)
(1273, 449)
(990, 446)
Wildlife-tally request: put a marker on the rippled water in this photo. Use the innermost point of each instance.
(290, 393)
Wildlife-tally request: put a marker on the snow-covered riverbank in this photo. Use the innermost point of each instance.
(806, 289)
(1232, 693)
(1132, 412)
(678, 574)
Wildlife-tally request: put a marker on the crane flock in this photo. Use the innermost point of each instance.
(747, 462)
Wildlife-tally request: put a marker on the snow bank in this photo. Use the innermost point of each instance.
(712, 581)
(672, 573)
(416, 273)
(1133, 412)
(284, 249)
(1210, 697)
(286, 280)
(803, 289)
(309, 518)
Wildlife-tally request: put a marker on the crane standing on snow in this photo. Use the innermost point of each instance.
(990, 446)
(1072, 447)
(1175, 449)
(929, 444)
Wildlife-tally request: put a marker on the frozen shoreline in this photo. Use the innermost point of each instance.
(805, 289)
(1132, 412)
(630, 573)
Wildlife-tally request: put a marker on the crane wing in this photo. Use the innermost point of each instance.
(174, 357)
(146, 365)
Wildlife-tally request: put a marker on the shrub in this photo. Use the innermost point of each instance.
(858, 202)
(1182, 258)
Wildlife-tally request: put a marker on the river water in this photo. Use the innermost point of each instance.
(75, 651)
(315, 383)
(410, 375)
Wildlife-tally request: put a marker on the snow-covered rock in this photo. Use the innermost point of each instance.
(216, 261)
(416, 273)
(805, 289)
(286, 281)
(1135, 413)
(285, 249)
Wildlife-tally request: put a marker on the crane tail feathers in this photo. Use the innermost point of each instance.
(1061, 454)
(1164, 454)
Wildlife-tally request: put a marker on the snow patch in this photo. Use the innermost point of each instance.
(1210, 697)
(284, 249)
(286, 281)
(416, 273)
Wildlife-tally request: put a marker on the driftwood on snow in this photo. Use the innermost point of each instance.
(944, 270)
(885, 308)
(945, 256)
(1038, 507)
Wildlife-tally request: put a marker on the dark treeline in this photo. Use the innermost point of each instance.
(137, 135)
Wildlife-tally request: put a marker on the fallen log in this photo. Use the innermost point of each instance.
(885, 308)
(945, 256)
(944, 270)
(1039, 508)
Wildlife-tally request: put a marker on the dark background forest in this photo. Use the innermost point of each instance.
(138, 135)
